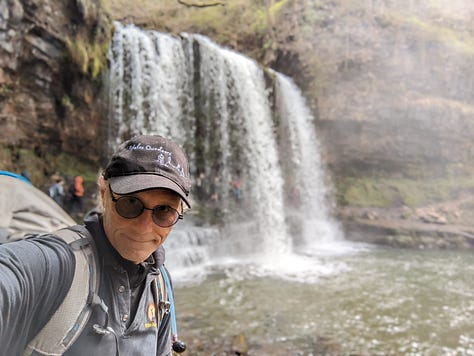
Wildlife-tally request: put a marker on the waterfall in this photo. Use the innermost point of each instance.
(304, 165)
(233, 124)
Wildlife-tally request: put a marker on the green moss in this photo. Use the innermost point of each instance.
(70, 165)
(6, 89)
(96, 67)
(67, 103)
(436, 32)
(90, 58)
(277, 7)
(87, 48)
(380, 192)
(364, 192)
(21, 159)
(78, 53)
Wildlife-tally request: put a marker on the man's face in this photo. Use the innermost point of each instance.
(136, 239)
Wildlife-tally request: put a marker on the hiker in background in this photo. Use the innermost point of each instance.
(236, 184)
(200, 186)
(76, 191)
(295, 196)
(56, 191)
(55, 176)
(143, 191)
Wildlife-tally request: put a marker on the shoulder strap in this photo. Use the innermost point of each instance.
(161, 292)
(72, 315)
(177, 345)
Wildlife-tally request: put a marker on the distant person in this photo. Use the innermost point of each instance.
(76, 191)
(236, 184)
(295, 196)
(200, 189)
(143, 191)
(56, 191)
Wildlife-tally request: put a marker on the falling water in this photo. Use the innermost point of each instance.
(304, 165)
(149, 84)
(216, 103)
(232, 89)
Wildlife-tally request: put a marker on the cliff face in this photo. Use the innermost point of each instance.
(49, 98)
(390, 82)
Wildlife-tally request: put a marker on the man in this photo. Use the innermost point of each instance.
(143, 190)
(56, 191)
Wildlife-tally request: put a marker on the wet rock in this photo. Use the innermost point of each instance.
(16, 12)
(371, 215)
(431, 215)
(239, 345)
(36, 66)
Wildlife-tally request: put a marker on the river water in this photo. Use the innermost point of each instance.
(366, 300)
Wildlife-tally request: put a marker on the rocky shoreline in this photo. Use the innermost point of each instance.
(445, 225)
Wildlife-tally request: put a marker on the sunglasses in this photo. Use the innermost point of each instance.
(130, 207)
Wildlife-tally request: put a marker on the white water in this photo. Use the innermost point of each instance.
(318, 227)
(234, 82)
(216, 103)
(148, 84)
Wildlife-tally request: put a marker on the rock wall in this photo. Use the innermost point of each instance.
(50, 92)
(390, 81)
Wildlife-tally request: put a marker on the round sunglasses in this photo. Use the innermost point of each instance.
(130, 207)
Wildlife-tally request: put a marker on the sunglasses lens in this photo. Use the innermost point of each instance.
(164, 216)
(129, 207)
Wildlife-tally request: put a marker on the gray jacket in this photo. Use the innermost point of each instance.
(35, 275)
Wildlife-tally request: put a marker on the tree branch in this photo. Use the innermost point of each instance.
(198, 3)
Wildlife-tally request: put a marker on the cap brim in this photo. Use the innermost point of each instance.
(138, 182)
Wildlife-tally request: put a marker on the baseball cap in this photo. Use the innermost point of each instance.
(149, 162)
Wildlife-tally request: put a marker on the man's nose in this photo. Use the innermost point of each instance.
(145, 221)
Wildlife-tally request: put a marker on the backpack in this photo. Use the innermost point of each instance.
(71, 317)
(26, 209)
(72, 190)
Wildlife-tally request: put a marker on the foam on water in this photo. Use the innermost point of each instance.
(306, 265)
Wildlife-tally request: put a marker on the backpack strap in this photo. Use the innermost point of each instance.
(72, 315)
(161, 292)
(177, 345)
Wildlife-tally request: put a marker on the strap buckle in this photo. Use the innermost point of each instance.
(164, 306)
